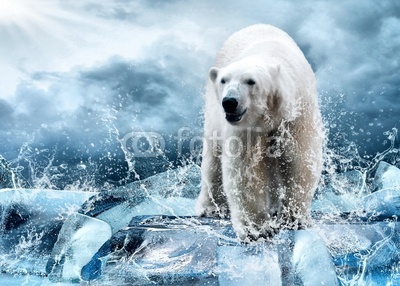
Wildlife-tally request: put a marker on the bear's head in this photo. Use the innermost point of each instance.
(250, 93)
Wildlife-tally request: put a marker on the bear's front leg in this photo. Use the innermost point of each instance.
(296, 211)
(247, 198)
(301, 181)
(212, 200)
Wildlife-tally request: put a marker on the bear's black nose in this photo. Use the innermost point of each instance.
(229, 104)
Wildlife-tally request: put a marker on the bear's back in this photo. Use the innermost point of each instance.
(249, 38)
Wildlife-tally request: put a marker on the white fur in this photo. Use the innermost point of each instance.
(263, 169)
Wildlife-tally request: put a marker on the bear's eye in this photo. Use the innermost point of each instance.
(250, 82)
(223, 81)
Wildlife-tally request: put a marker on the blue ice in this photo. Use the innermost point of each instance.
(145, 233)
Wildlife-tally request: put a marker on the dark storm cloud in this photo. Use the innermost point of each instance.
(89, 104)
(133, 84)
(148, 93)
(364, 19)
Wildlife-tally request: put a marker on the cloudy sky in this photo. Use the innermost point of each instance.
(77, 76)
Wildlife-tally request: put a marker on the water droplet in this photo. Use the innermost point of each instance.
(64, 166)
(81, 167)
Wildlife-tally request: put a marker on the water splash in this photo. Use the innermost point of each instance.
(347, 158)
(349, 175)
(45, 172)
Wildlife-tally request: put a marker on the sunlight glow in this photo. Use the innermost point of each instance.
(12, 11)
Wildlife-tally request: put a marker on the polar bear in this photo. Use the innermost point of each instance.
(263, 135)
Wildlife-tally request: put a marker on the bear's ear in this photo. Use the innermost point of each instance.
(213, 73)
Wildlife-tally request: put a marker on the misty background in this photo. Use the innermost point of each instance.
(78, 76)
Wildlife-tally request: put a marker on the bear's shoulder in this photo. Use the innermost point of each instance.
(258, 33)
(249, 37)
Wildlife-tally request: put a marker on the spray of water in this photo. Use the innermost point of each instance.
(339, 164)
(45, 173)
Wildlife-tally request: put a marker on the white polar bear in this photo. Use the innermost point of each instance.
(263, 134)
